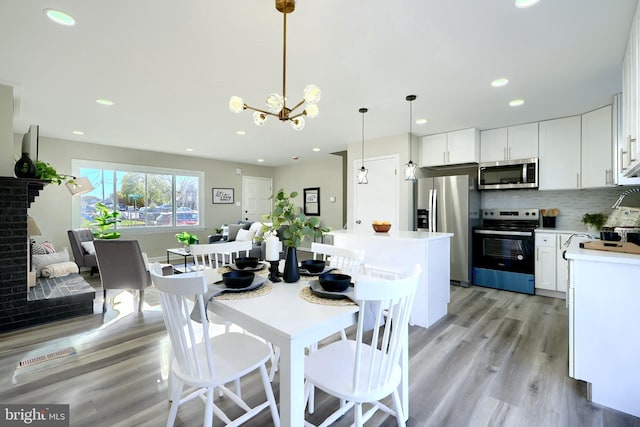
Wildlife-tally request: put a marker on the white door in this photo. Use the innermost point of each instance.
(256, 192)
(379, 199)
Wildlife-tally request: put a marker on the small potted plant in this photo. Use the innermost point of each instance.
(594, 222)
(104, 221)
(187, 239)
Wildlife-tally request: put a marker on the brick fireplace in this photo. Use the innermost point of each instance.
(16, 196)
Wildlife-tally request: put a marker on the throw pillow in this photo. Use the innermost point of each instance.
(42, 248)
(244, 235)
(39, 261)
(233, 231)
(89, 247)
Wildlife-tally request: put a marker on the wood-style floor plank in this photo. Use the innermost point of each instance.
(497, 359)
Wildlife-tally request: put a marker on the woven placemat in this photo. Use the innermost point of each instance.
(262, 290)
(307, 295)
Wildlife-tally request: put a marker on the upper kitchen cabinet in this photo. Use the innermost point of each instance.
(597, 166)
(450, 148)
(511, 143)
(628, 151)
(559, 154)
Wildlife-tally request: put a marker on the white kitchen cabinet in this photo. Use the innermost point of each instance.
(450, 148)
(550, 265)
(628, 149)
(559, 157)
(597, 166)
(510, 143)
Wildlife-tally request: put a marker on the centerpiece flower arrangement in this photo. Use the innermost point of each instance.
(298, 227)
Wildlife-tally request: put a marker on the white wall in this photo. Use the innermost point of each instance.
(6, 131)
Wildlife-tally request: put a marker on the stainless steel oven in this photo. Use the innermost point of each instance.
(504, 249)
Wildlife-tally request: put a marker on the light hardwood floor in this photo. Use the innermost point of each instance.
(497, 359)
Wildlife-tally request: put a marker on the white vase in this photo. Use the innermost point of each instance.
(593, 230)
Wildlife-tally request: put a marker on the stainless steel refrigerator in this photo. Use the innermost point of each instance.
(450, 204)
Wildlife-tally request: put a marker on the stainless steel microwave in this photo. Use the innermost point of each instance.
(508, 174)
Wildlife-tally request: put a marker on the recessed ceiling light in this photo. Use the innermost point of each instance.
(60, 17)
(78, 132)
(316, 149)
(500, 82)
(189, 149)
(104, 102)
(516, 102)
(241, 132)
(295, 158)
(421, 121)
(521, 4)
(260, 160)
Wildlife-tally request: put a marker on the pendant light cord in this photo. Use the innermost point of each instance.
(363, 138)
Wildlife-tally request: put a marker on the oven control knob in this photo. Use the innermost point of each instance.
(520, 257)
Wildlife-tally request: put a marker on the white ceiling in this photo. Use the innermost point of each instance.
(170, 68)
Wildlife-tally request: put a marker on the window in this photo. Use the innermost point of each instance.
(146, 197)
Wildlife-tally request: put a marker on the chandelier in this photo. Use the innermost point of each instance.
(276, 103)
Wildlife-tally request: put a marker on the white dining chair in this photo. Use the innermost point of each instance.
(206, 362)
(346, 260)
(366, 370)
(214, 255)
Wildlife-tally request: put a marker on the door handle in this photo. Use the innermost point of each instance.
(358, 221)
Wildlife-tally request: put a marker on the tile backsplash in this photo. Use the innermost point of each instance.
(571, 203)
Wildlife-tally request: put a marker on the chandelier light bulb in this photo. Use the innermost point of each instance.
(312, 111)
(410, 171)
(275, 102)
(362, 175)
(312, 94)
(259, 118)
(236, 104)
(297, 123)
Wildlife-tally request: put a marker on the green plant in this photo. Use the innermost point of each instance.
(299, 225)
(46, 172)
(187, 238)
(595, 219)
(105, 220)
(218, 230)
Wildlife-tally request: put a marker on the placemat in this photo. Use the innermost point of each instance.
(262, 290)
(307, 295)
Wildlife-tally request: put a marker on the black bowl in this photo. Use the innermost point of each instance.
(312, 265)
(238, 279)
(610, 236)
(246, 262)
(334, 282)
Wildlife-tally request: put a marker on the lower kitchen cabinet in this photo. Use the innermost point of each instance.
(550, 266)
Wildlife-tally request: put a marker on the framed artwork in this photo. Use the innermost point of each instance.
(222, 195)
(312, 201)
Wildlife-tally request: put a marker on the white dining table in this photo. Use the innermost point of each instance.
(285, 319)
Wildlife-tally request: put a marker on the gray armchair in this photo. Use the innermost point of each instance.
(122, 266)
(80, 254)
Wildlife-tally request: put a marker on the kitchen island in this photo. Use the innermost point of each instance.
(604, 315)
(400, 251)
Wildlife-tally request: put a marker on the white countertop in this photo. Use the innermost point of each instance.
(557, 231)
(575, 252)
(395, 235)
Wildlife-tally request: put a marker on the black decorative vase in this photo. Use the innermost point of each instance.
(25, 168)
(291, 272)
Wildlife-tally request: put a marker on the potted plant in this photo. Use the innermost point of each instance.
(187, 239)
(298, 227)
(104, 221)
(594, 221)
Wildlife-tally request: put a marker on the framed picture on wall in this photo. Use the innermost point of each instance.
(312, 201)
(222, 195)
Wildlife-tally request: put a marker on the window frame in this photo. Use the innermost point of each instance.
(76, 217)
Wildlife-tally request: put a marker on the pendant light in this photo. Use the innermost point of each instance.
(410, 168)
(362, 172)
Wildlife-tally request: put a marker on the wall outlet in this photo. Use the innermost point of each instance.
(238, 204)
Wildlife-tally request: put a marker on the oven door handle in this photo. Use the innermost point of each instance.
(504, 232)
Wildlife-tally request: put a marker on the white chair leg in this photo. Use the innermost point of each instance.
(208, 411)
(238, 389)
(358, 413)
(273, 407)
(397, 405)
(275, 360)
(175, 402)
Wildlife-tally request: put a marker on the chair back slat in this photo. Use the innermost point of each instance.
(176, 293)
(345, 259)
(387, 303)
(214, 255)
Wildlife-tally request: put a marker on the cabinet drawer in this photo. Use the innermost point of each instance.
(545, 240)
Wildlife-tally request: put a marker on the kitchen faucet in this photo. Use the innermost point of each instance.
(623, 195)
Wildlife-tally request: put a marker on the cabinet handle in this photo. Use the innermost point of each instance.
(448, 156)
(621, 159)
(508, 153)
(504, 153)
(578, 180)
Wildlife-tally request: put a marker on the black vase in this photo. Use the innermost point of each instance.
(291, 272)
(25, 168)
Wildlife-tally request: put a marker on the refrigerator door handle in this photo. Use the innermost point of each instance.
(433, 213)
(430, 209)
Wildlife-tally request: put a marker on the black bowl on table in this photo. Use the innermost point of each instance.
(334, 282)
(312, 265)
(238, 279)
(246, 262)
(610, 236)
